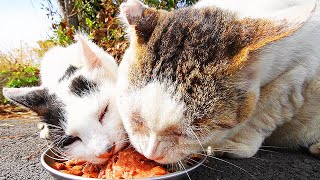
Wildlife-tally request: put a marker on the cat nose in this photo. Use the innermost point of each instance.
(152, 150)
(109, 148)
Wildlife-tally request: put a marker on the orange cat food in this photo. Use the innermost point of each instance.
(126, 164)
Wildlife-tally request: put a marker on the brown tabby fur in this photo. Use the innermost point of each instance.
(202, 59)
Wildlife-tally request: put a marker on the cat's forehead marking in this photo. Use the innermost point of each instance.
(81, 86)
(68, 73)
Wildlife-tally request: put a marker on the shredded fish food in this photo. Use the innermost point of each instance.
(126, 164)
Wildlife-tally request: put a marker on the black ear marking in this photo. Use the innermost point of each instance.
(81, 86)
(69, 72)
(40, 101)
(34, 98)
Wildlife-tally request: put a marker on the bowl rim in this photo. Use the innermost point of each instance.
(69, 176)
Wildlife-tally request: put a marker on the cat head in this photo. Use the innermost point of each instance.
(184, 82)
(76, 100)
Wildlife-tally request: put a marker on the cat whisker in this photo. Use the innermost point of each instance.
(119, 142)
(276, 147)
(227, 162)
(266, 150)
(194, 161)
(195, 135)
(184, 168)
(57, 159)
(58, 153)
(53, 147)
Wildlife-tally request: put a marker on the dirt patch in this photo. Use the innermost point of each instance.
(8, 111)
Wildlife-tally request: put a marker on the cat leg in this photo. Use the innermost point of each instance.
(315, 149)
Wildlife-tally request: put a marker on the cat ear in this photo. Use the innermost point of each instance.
(131, 11)
(34, 98)
(90, 58)
(140, 18)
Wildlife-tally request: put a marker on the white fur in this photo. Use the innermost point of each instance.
(289, 68)
(272, 9)
(82, 113)
(56, 61)
(157, 108)
(83, 121)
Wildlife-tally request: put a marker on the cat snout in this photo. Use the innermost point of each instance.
(152, 151)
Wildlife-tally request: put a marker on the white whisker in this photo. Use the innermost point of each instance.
(219, 159)
(181, 164)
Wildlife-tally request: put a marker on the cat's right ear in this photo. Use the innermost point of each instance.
(34, 98)
(139, 18)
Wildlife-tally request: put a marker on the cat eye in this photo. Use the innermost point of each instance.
(68, 140)
(103, 113)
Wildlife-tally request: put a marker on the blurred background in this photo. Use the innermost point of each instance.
(29, 28)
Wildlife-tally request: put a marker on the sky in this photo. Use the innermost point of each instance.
(23, 22)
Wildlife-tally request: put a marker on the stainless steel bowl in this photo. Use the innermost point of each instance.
(48, 155)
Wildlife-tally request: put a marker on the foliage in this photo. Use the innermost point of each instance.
(98, 18)
(18, 68)
(20, 75)
(44, 46)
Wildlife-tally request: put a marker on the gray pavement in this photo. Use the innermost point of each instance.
(20, 150)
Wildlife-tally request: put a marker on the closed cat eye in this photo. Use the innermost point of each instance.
(68, 140)
(103, 113)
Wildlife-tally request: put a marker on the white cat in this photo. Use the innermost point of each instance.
(76, 101)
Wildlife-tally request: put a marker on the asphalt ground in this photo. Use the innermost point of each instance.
(20, 150)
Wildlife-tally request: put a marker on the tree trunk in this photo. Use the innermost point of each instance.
(69, 11)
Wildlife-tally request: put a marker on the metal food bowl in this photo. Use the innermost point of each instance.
(47, 160)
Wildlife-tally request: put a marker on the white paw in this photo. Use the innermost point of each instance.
(315, 149)
(44, 133)
(239, 150)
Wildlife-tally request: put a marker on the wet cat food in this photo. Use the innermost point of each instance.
(126, 164)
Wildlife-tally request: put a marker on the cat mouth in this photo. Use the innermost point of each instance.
(107, 154)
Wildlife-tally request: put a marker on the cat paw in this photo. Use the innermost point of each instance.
(315, 149)
(238, 150)
(44, 133)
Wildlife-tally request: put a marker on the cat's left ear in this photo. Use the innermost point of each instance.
(139, 18)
